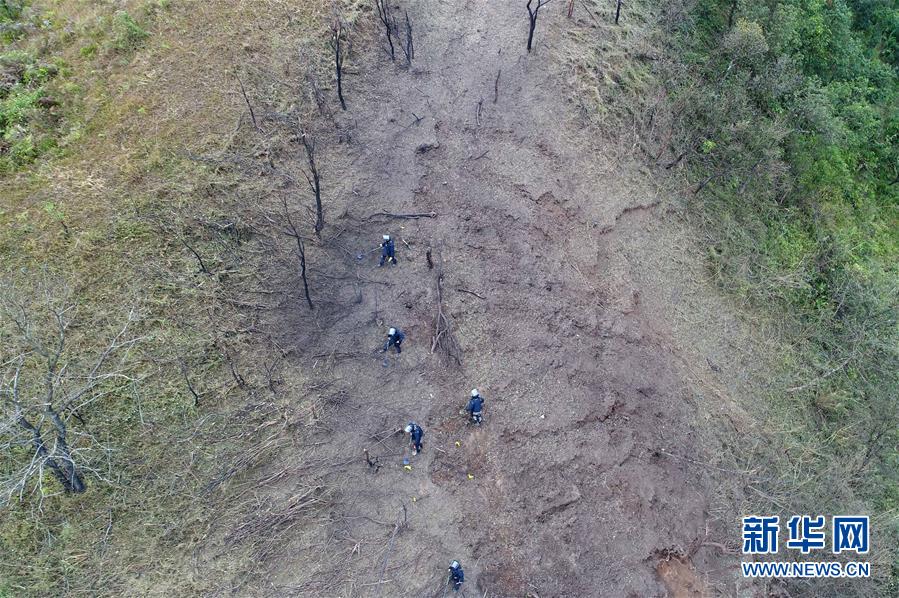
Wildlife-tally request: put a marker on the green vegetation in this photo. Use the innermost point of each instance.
(37, 93)
(786, 114)
(27, 122)
(128, 34)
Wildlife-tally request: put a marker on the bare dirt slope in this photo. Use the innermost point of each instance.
(585, 477)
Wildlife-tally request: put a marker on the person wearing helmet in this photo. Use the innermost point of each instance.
(475, 407)
(457, 576)
(395, 338)
(388, 251)
(415, 434)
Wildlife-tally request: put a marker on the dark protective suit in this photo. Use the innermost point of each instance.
(474, 408)
(395, 340)
(416, 435)
(388, 252)
(457, 576)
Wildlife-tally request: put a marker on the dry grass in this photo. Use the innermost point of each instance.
(150, 157)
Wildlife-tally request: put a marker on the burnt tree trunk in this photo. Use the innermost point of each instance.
(336, 34)
(384, 16)
(301, 251)
(617, 10)
(301, 248)
(314, 180)
(65, 473)
(408, 47)
(74, 480)
(532, 18)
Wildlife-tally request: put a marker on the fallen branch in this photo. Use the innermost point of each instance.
(396, 528)
(402, 216)
(443, 336)
(246, 99)
(461, 290)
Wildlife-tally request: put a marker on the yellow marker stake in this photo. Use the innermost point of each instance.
(470, 477)
(458, 444)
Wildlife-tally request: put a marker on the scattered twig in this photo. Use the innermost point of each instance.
(203, 267)
(461, 290)
(190, 386)
(247, 100)
(396, 528)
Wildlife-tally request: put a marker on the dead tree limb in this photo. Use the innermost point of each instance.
(338, 47)
(234, 371)
(203, 267)
(246, 99)
(46, 385)
(383, 8)
(496, 86)
(314, 180)
(408, 48)
(396, 528)
(402, 216)
(443, 335)
(461, 290)
(190, 386)
(617, 10)
(532, 17)
(301, 250)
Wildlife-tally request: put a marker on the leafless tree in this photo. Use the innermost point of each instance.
(408, 48)
(301, 249)
(532, 16)
(383, 8)
(338, 46)
(314, 180)
(47, 383)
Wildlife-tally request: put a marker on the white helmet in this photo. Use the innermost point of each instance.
(386, 237)
(454, 565)
(391, 332)
(408, 429)
(474, 392)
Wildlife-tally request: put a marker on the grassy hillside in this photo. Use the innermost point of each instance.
(777, 125)
(107, 119)
(124, 186)
(785, 115)
(787, 118)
